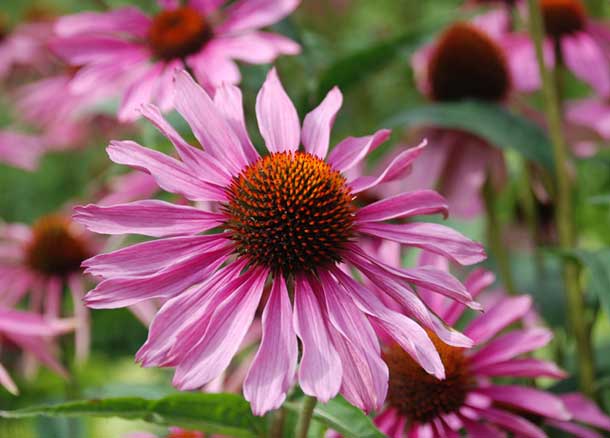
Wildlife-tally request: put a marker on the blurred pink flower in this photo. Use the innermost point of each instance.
(287, 217)
(420, 405)
(31, 333)
(21, 150)
(202, 36)
(42, 260)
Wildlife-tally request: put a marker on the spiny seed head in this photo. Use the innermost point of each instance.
(420, 396)
(55, 249)
(563, 17)
(178, 33)
(467, 64)
(291, 212)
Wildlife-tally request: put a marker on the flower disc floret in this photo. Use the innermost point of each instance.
(563, 17)
(468, 64)
(291, 212)
(178, 33)
(418, 395)
(55, 249)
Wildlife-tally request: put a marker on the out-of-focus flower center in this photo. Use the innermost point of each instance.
(290, 212)
(420, 396)
(181, 433)
(55, 249)
(178, 33)
(563, 17)
(468, 64)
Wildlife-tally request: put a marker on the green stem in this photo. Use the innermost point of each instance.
(309, 403)
(564, 214)
(495, 239)
(528, 202)
(277, 424)
(597, 8)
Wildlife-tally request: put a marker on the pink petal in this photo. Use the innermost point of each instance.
(213, 68)
(256, 47)
(317, 125)
(228, 100)
(174, 279)
(226, 329)
(142, 90)
(149, 218)
(171, 175)
(40, 348)
(168, 4)
(206, 6)
(273, 370)
(85, 49)
(353, 150)
(510, 345)
(404, 205)
(482, 430)
(321, 371)
(277, 117)
(81, 313)
(146, 258)
(20, 150)
(529, 399)
(204, 165)
(498, 317)
(430, 237)
(514, 423)
(211, 129)
(523, 368)
(17, 322)
(580, 52)
(575, 429)
(398, 168)
(585, 410)
(365, 374)
(408, 334)
(253, 14)
(124, 20)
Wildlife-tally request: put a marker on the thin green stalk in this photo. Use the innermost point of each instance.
(532, 218)
(495, 239)
(277, 424)
(564, 213)
(309, 403)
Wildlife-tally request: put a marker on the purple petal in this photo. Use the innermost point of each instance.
(124, 20)
(404, 205)
(498, 317)
(580, 52)
(533, 400)
(585, 410)
(273, 370)
(514, 423)
(321, 371)
(277, 117)
(353, 150)
(256, 47)
(253, 14)
(528, 367)
(318, 124)
(149, 218)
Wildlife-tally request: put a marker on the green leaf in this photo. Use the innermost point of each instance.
(226, 414)
(494, 123)
(357, 66)
(598, 264)
(342, 417)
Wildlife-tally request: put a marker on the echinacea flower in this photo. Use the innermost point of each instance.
(203, 36)
(469, 399)
(172, 432)
(31, 333)
(467, 61)
(42, 260)
(288, 217)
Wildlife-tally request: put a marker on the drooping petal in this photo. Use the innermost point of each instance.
(351, 151)
(124, 291)
(142, 90)
(580, 52)
(20, 150)
(226, 329)
(277, 117)
(527, 367)
(477, 281)
(149, 257)
(499, 316)
(321, 371)
(272, 371)
(318, 124)
(149, 218)
(420, 202)
(435, 238)
(256, 47)
(585, 410)
(81, 313)
(7, 382)
(171, 175)
(533, 400)
(514, 423)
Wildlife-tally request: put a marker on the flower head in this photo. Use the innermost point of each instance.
(288, 218)
(469, 399)
(43, 259)
(142, 52)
